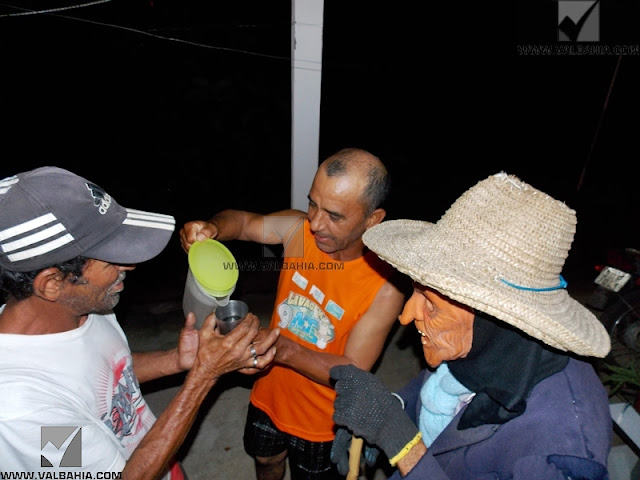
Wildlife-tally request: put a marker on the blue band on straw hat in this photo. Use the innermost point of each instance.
(563, 284)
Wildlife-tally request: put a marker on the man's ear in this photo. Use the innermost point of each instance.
(375, 218)
(48, 284)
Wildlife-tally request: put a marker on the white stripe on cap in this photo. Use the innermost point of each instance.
(42, 249)
(51, 235)
(141, 214)
(37, 237)
(138, 218)
(6, 184)
(26, 227)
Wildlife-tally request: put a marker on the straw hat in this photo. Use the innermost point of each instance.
(500, 249)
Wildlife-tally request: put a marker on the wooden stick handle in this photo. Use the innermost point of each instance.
(354, 458)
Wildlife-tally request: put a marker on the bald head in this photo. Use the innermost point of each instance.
(355, 161)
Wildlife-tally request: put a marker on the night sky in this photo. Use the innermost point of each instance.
(443, 104)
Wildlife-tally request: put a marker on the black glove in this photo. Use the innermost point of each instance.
(340, 451)
(367, 408)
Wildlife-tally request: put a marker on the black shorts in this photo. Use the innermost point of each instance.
(307, 460)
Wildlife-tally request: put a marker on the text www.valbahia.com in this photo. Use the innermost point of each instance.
(60, 475)
(275, 266)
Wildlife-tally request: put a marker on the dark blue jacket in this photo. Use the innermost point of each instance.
(565, 432)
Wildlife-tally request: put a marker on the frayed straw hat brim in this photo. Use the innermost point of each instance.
(465, 268)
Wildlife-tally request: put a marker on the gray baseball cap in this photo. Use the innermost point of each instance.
(50, 215)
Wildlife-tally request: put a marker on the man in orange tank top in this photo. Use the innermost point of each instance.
(336, 303)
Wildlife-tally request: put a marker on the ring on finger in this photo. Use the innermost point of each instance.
(255, 361)
(253, 351)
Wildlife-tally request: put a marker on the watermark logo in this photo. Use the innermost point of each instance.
(578, 21)
(276, 229)
(580, 29)
(66, 440)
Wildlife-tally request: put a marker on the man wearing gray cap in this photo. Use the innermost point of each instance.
(71, 405)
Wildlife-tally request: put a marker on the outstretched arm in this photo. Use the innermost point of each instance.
(242, 225)
(151, 365)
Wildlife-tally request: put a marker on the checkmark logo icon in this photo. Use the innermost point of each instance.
(571, 28)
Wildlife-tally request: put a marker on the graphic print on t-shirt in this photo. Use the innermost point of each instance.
(124, 416)
(306, 320)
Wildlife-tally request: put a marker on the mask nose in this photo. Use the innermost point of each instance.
(412, 310)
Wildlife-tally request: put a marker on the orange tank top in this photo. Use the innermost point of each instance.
(318, 303)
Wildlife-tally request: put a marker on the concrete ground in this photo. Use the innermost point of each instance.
(214, 450)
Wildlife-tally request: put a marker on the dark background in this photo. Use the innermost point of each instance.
(442, 96)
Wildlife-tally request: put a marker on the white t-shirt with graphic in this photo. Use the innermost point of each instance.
(81, 380)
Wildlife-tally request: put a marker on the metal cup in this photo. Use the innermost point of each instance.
(231, 315)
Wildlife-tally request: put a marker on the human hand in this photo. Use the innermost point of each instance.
(197, 230)
(365, 406)
(219, 354)
(188, 343)
(263, 333)
(340, 450)
(264, 342)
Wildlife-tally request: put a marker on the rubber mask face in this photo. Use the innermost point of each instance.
(445, 326)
